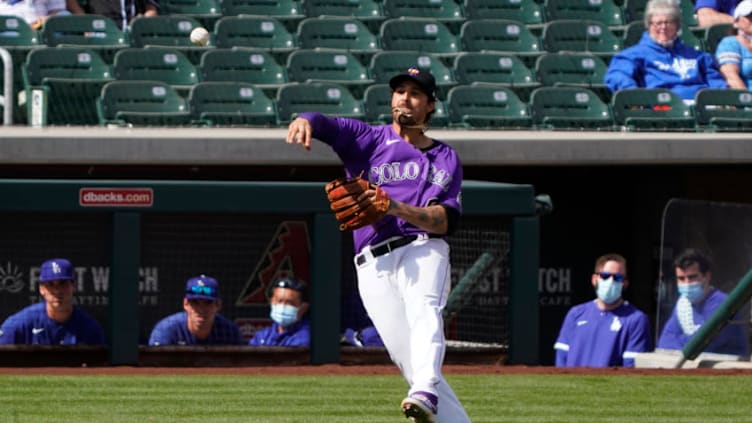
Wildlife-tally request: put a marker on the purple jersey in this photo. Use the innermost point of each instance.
(173, 330)
(593, 337)
(407, 174)
(297, 335)
(730, 340)
(33, 326)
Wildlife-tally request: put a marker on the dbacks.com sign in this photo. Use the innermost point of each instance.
(116, 197)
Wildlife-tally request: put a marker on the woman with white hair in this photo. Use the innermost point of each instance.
(661, 60)
(734, 53)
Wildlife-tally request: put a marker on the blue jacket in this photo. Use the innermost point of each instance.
(297, 335)
(32, 326)
(680, 68)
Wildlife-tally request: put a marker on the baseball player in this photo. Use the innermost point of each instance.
(607, 331)
(56, 320)
(402, 260)
(200, 323)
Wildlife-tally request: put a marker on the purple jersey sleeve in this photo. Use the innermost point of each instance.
(407, 174)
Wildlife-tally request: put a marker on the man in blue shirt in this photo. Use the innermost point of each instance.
(200, 323)
(698, 300)
(607, 331)
(56, 320)
(289, 305)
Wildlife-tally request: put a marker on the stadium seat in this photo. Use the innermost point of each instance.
(324, 97)
(369, 12)
(386, 64)
(231, 104)
(651, 109)
(258, 32)
(576, 35)
(689, 17)
(527, 12)
(18, 38)
(167, 31)
(603, 11)
(244, 65)
(569, 108)
(335, 66)
(724, 109)
(486, 107)
(419, 34)
(633, 32)
(289, 12)
(501, 35)
(141, 103)
(72, 78)
(634, 10)
(575, 70)
(205, 11)
(156, 64)
(496, 68)
(342, 33)
(377, 101)
(98, 33)
(447, 12)
(714, 34)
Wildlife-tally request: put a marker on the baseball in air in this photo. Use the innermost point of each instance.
(200, 36)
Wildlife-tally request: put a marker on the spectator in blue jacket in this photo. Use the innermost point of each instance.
(734, 52)
(661, 60)
(290, 327)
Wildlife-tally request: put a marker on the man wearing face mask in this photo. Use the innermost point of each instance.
(289, 305)
(607, 331)
(697, 301)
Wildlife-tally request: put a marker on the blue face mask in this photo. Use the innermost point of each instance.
(284, 314)
(608, 291)
(693, 291)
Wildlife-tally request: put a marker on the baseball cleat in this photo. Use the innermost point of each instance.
(420, 407)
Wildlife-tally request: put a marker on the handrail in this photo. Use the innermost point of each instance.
(7, 86)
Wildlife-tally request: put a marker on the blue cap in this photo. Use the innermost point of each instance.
(202, 288)
(56, 270)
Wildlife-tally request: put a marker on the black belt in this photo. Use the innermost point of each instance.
(389, 246)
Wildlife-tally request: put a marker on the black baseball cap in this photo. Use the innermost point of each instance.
(423, 78)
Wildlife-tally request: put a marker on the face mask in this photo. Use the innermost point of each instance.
(693, 291)
(284, 314)
(608, 291)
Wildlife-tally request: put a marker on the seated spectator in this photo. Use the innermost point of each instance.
(35, 12)
(200, 323)
(711, 12)
(120, 11)
(661, 60)
(291, 327)
(734, 53)
(698, 300)
(56, 320)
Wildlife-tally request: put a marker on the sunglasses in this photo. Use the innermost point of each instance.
(618, 277)
(290, 283)
(202, 290)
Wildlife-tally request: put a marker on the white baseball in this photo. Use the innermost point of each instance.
(200, 36)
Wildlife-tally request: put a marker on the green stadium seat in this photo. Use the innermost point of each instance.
(289, 12)
(18, 38)
(385, 64)
(260, 32)
(501, 35)
(205, 11)
(71, 78)
(724, 109)
(98, 33)
(574, 70)
(342, 33)
(652, 109)
(634, 10)
(377, 101)
(476, 106)
(257, 67)
(369, 12)
(714, 34)
(633, 32)
(689, 17)
(603, 11)
(335, 66)
(167, 31)
(231, 104)
(577, 35)
(527, 12)
(447, 12)
(495, 68)
(569, 108)
(325, 97)
(156, 64)
(419, 34)
(141, 103)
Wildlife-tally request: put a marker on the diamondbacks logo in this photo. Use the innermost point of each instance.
(287, 255)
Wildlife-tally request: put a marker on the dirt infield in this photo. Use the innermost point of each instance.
(332, 369)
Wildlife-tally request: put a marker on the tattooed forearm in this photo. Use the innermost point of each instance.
(432, 218)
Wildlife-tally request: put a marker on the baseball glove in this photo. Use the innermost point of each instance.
(352, 206)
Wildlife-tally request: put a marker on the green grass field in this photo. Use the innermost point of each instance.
(332, 399)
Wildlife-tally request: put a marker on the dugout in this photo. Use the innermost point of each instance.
(134, 243)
